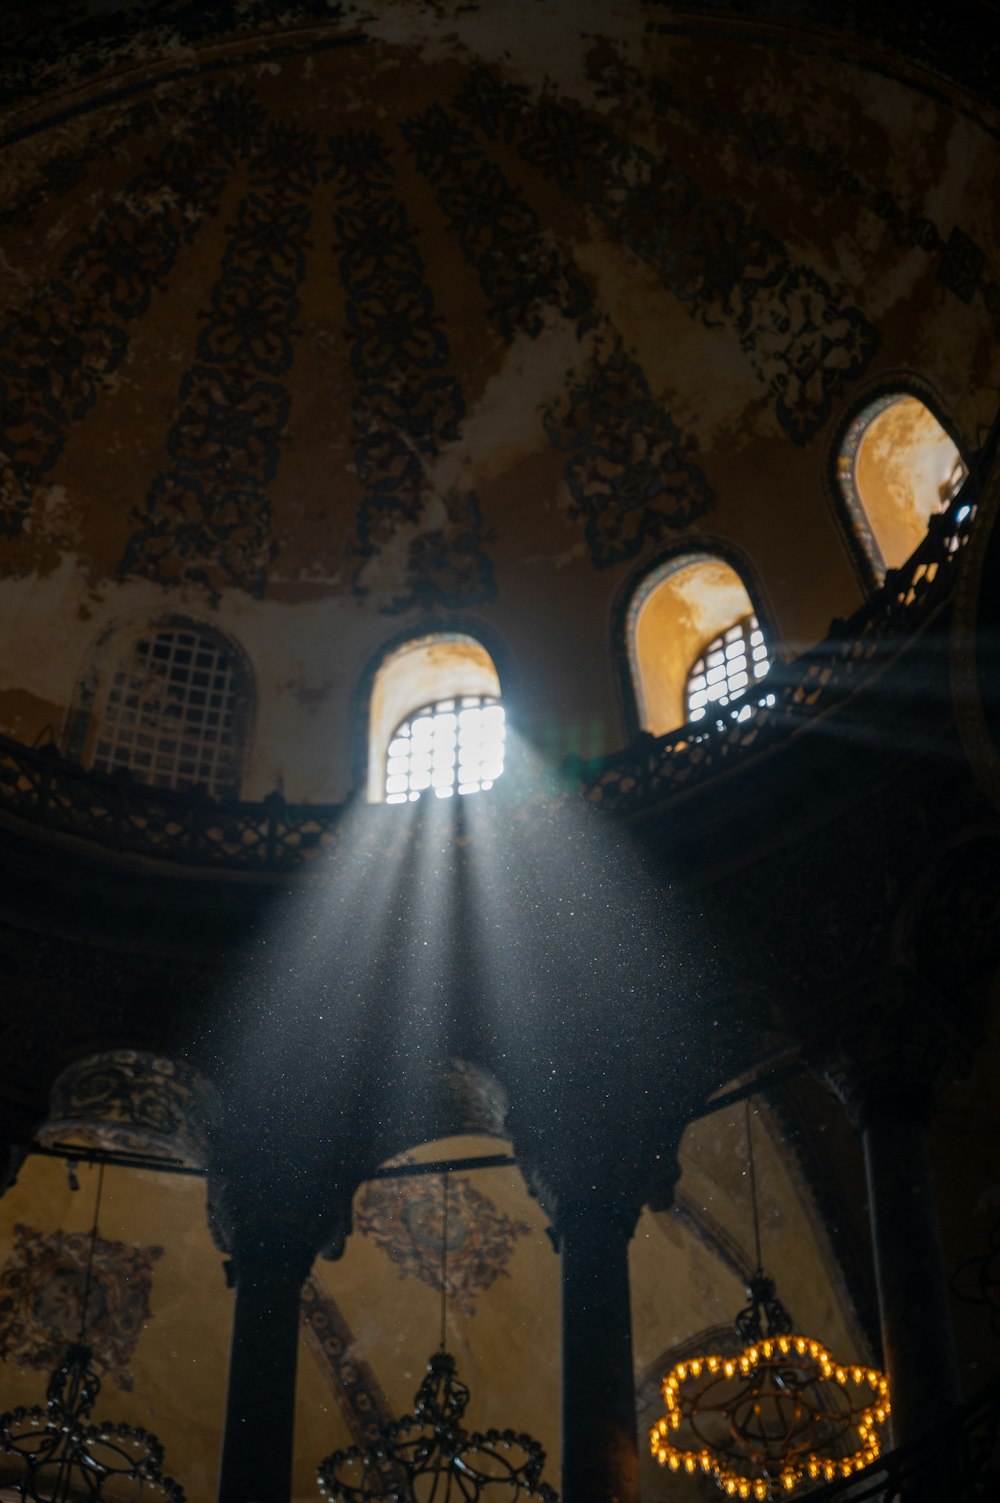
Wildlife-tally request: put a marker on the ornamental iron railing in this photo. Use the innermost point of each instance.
(40, 785)
(960, 1463)
(793, 695)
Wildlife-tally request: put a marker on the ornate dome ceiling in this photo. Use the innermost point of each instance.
(322, 328)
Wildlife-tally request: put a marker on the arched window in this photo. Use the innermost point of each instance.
(436, 721)
(730, 664)
(452, 746)
(695, 643)
(896, 467)
(175, 712)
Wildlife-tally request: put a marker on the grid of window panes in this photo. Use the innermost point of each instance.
(170, 714)
(453, 746)
(727, 668)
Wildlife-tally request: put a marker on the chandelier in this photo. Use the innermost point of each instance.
(64, 1456)
(428, 1456)
(61, 1453)
(779, 1412)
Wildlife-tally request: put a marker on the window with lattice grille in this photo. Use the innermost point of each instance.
(172, 715)
(727, 668)
(451, 746)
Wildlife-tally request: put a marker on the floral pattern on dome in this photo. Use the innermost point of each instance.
(42, 1288)
(405, 1219)
(208, 519)
(629, 474)
(59, 351)
(407, 403)
(801, 339)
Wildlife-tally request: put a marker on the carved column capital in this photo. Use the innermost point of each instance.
(593, 1215)
(600, 1178)
(892, 1050)
(260, 1226)
(18, 1126)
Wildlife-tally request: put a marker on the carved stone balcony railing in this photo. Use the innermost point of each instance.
(960, 1463)
(41, 786)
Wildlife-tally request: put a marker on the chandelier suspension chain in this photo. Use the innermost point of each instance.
(444, 1257)
(90, 1253)
(59, 1452)
(759, 1262)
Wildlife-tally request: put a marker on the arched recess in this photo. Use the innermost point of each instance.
(172, 701)
(695, 640)
(896, 464)
(383, 1300)
(122, 1255)
(690, 1264)
(440, 674)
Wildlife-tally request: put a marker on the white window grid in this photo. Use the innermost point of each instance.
(453, 746)
(170, 716)
(728, 667)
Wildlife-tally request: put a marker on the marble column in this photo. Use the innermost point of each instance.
(270, 1266)
(886, 1069)
(599, 1442)
(917, 1334)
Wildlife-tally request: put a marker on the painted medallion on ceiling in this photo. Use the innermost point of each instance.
(405, 1218)
(43, 1285)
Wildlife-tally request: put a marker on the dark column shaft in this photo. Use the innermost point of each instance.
(258, 1432)
(917, 1331)
(600, 1458)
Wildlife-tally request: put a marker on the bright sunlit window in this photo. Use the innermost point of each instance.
(425, 679)
(453, 746)
(727, 668)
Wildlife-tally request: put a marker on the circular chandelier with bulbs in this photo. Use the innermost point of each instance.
(779, 1412)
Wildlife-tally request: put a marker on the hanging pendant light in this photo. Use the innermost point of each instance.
(429, 1454)
(780, 1412)
(62, 1453)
